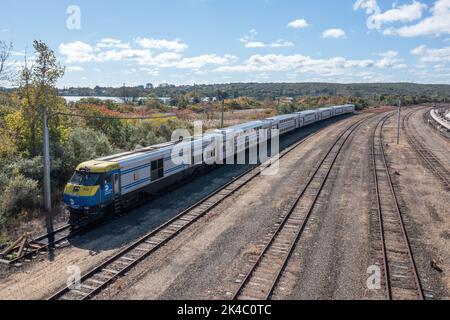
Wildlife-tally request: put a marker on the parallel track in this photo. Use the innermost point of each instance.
(432, 162)
(261, 280)
(401, 276)
(106, 273)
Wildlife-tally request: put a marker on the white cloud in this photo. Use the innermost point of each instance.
(405, 13)
(255, 44)
(250, 42)
(109, 50)
(389, 59)
(74, 69)
(112, 43)
(150, 71)
(249, 36)
(123, 55)
(428, 55)
(298, 24)
(333, 33)
(276, 44)
(437, 24)
(203, 60)
(296, 63)
(174, 45)
(77, 52)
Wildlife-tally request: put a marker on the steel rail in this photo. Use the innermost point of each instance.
(381, 219)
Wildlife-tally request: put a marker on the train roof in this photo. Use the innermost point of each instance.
(283, 116)
(306, 112)
(244, 126)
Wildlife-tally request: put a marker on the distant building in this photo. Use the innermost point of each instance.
(149, 86)
(163, 85)
(285, 99)
(165, 100)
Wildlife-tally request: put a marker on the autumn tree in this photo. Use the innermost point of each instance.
(38, 93)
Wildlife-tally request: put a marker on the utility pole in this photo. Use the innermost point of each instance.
(46, 153)
(47, 181)
(223, 113)
(123, 93)
(398, 120)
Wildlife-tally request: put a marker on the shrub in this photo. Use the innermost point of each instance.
(21, 195)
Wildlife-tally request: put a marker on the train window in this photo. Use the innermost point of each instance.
(107, 179)
(157, 169)
(136, 176)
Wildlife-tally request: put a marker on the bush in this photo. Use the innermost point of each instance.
(82, 144)
(20, 196)
(29, 168)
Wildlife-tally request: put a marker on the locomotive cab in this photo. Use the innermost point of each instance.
(92, 189)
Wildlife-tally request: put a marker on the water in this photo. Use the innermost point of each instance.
(78, 98)
(164, 100)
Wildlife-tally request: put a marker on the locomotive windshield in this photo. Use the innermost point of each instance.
(86, 179)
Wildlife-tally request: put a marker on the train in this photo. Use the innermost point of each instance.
(114, 183)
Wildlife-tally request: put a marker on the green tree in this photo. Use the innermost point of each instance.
(38, 92)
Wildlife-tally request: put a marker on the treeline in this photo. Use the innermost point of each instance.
(260, 91)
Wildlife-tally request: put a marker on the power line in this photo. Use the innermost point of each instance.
(112, 118)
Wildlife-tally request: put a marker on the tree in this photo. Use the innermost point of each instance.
(5, 53)
(38, 92)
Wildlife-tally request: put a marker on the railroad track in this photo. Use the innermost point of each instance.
(261, 280)
(401, 278)
(430, 159)
(98, 278)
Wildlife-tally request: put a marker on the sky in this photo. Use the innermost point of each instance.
(109, 43)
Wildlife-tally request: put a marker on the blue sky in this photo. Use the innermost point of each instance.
(217, 41)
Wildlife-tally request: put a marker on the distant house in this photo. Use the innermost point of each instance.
(165, 100)
(206, 99)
